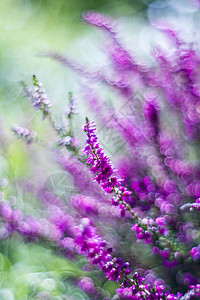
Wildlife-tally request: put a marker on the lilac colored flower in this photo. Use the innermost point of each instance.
(68, 243)
(6, 211)
(101, 164)
(3, 183)
(63, 222)
(148, 230)
(82, 180)
(97, 19)
(87, 285)
(121, 59)
(194, 291)
(151, 113)
(195, 253)
(191, 206)
(85, 204)
(25, 134)
(92, 244)
(38, 97)
(72, 109)
(65, 141)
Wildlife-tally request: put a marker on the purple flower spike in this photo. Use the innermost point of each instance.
(99, 20)
(25, 134)
(102, 167)
(38, 97)
(151, 113)
(101, 164)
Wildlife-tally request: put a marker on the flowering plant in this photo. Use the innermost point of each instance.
(139, 222)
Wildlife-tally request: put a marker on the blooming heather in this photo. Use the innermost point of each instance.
(38, 97)
(138, 225)
(101, 164)
(24, 134)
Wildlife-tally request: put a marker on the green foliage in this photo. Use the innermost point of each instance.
(28, 269)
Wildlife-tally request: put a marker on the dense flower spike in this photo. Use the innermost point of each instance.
(38, 97)
(151, 114)
(150, 230)
(101, 164)
(105, 172)
(65, 141)
(97, 19)
(72, 109)
(116, 269)
(24, 134)
(191, 206)
(65, 131)
(89, 243)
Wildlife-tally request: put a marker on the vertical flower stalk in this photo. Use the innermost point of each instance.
(65, 132)
(38, 97)
(24, 134)
(152, 231)
(103, 169)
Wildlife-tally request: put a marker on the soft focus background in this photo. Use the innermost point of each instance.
(28, 31)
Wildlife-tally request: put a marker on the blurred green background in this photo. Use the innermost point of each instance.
(31, 28)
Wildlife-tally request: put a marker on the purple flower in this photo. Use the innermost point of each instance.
(87, 285)
(24, 134)
(38, 97)
(151, 113)
(101, 164)
(97, 19)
